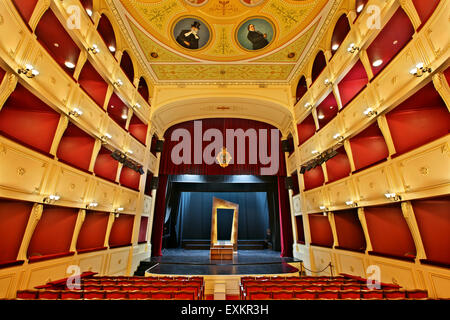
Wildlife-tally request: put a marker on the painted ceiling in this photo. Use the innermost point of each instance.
(291, 28)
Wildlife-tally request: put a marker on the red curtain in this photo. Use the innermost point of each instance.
(158, 216)
(321, 234)
(168, 167)
(285, 219)
(143, 230)
(93, 231)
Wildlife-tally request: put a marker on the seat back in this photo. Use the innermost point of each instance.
(305, 294)
(161, 295)
(183, 295)
(350, 294)
(94, 295)
(417, 294)
(116, 295)
(326, 294)
(137, 295)
(259, 295)
(282, 295)
(26, 294)
(71, 294)
(48, 294)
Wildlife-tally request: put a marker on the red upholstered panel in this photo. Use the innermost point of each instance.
(52, 35)
(2, 74)
(296, 188)
(349, 230)
(425, 8)
(24, 117)
(300, 229)
(341, 29)
(338, 167)
(368, 147)
(93, 231)
(143, 89)
(127, 66)
(318, 65)
(138, 129)
(360, 6)
(92, 82)
(53, 232)
(433, 219)
(388, 231)
(25, 8)
(320, 229)
(116, 109)
(420, 119)
(87, 4)
(301, 88)
(306, 129)
(148, 183)
(447, 75)
(129, 178)
(106, 31)
(353, 82)
(76, 147)
(121, 230)
(143, 229)
(105, 165)
(13, 221)
(327, 110)
(392, 38)
(313, 178)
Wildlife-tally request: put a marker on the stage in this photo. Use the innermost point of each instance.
(197, 262)
(222, 277)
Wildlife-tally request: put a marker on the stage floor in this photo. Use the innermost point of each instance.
(197, 262)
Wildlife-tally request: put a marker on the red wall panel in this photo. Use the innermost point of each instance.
(25, 8)
(53, 36)
(392, 38)
(143, 89)
(425, 8)
(318, 65)
(353, 82)
(105, 165)
(420, 119)
(143, 230)
(302, 87)
(106, 31)
(138, 129)
(93, 231)
(92, 82)
(25, 118)
(306, 129)
(76, 147)
(14, 217)
(2, 74)
(341, 29)
(389, 232)
(349, 230)
(313, 178)
(320, 229)
(300, 230)
(53, 232)
(121, 231)
(338, 167)
(117, 110)
(327, 110)
(433, 220)
(368, 147)
(129, 178)
(126, 64)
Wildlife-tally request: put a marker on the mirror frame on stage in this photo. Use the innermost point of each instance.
(223, 250)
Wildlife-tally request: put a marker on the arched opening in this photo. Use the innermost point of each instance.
(425, 9)
(341, 30)
(106, 31)
(88, 6)
(25, 8)
(143, 89)
(318, 65)
(359, 6)
(302, 87)
(126, 64)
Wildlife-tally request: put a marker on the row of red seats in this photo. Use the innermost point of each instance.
(167, 288)
(136, 278)
(311, 287)
(343, 295)
(105, 295)
(143, 282)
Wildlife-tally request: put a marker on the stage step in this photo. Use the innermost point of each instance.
(143, 266)
(205, 244)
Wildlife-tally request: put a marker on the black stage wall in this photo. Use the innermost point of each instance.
(189, 207)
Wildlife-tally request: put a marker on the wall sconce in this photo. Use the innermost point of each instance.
(92, 205)
(369, 112)
(393, 196)
(120, 209)
(327, 82)
(323, 208)
(118, 83)
(28, 71)
(420, 70)
(338, 137)
(314, 152)
(105, 137)
(129, 152)
(307, 105)
(75, 112)
(94, 49)
(51, 198)
(352, 48)
(351, 203)
(137, 106)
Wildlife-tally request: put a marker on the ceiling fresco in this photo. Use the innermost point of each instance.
(223, 40)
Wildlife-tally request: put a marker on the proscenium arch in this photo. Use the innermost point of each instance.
(190, 109)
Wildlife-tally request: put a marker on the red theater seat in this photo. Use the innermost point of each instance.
(417, 294)
(283, 295)
(306, 295)
(350, 294)
(161, 295)
(116, 295)
(328, 294)
(73, 294)
(394, 294)
(137, 295)
(48, 295)
(26, 294)
(372, 294)
(184, 295)
(94, 295)
(259, 295)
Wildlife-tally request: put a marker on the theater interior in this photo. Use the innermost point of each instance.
(224, 150)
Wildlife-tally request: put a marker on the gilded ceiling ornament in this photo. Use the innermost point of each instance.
(196, 3)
